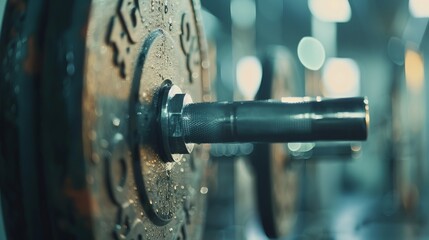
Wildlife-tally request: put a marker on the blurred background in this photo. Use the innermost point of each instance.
(377, 189)
(330, 48)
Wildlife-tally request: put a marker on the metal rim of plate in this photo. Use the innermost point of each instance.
(21, 184)
(276, 178)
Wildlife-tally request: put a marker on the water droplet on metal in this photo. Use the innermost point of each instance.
(169, 166)
(70, 69)
(195, 75)
(204, 190)
(116, 122)
(170, 24)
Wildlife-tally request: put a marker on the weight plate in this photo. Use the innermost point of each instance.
(276, 179)
(20, 183)
(104, 64)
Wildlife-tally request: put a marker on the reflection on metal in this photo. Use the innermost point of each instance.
(297, 99)
(300, 150)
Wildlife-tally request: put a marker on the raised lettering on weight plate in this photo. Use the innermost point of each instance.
(118, 38)
(189, 44)
(125, 31)
(132, 19)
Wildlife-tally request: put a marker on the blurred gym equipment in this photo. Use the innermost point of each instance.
(108, 109)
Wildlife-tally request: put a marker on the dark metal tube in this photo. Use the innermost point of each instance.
(274, 121)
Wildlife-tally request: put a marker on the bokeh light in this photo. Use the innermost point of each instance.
(414, 70)
(419, 8)
(249, 76)
(331, 10)
(311, 53)
(341, 78)
(243, 13)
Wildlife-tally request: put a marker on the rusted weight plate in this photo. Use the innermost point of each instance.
(276, 178)
(98, 163)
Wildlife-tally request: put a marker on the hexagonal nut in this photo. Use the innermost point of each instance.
(175, 125)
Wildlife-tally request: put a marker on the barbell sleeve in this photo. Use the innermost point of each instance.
(275, 121)
(184, 123)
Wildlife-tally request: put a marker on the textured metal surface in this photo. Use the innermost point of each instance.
(171, 117)
(150, 43)
(91, 116)
(276, 121)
